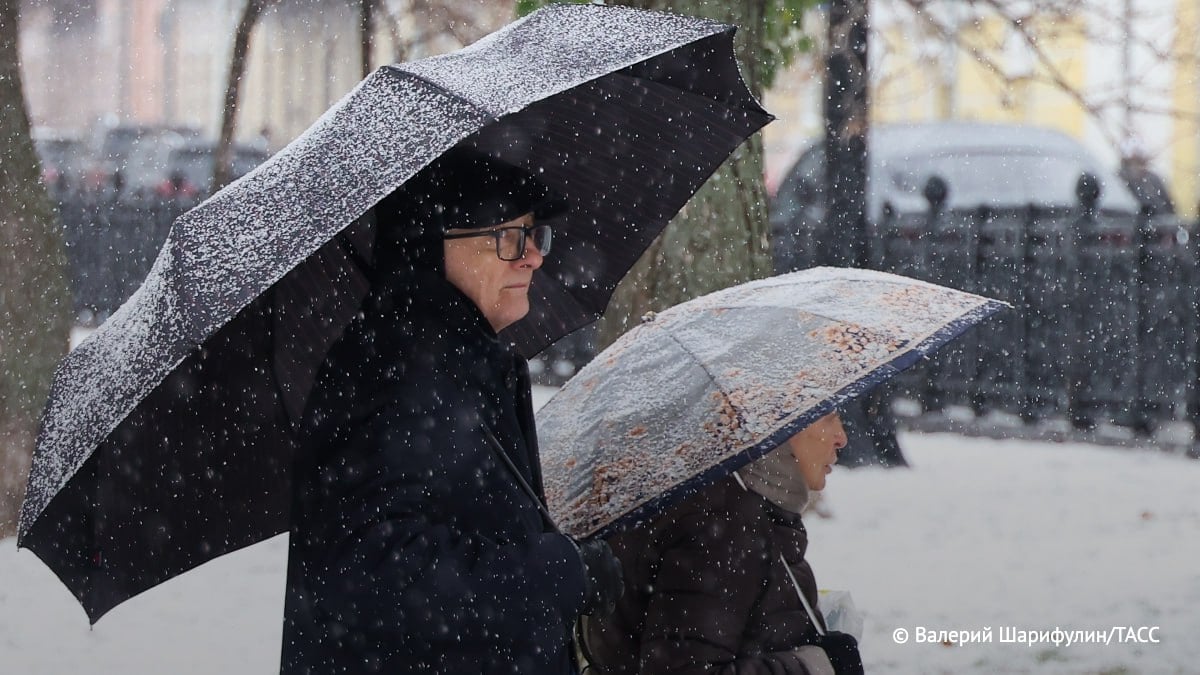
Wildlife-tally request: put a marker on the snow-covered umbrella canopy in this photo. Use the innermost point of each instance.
(697, 391)
(168, 436)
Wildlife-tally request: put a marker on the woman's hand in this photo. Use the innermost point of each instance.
(842, 650)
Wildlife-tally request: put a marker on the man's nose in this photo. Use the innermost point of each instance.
(533, 256)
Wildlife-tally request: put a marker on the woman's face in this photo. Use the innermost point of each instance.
(816, 447)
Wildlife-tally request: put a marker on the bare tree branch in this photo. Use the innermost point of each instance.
(222, 162)
(1027, 21)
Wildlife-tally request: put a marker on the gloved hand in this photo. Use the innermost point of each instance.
(603, 578)
(842, 650)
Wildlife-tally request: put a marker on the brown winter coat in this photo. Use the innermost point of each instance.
(706, 591)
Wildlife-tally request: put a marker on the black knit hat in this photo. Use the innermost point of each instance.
(463, 188)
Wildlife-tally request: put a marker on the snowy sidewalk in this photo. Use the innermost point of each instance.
(977, 534)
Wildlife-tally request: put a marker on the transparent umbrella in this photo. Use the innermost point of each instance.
(697, 391)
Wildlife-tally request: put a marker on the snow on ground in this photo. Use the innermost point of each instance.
(1018, 535)
(977, 534)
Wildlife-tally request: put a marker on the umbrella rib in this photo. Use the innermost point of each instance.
(698, 361)
(449, 94)
(362, 262)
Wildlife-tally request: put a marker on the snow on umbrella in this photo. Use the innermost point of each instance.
(168, 436)
(697, 391)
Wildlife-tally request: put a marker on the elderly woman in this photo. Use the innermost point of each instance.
(418, 541)
(707, 586)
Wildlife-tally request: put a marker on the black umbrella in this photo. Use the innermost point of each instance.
(168, 436)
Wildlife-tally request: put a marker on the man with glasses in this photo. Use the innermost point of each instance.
(494, 267)
(420, 541)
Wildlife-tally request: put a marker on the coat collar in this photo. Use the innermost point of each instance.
(433, 310)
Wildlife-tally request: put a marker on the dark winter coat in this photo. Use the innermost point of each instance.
(414, 548)
(706, 591)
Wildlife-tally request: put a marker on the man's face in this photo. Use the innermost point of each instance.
(500, 288)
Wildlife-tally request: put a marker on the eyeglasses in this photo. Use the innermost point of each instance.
(510, 241)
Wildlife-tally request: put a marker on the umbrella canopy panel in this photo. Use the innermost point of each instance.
(211, 445)
(153, 500)
(701, 389)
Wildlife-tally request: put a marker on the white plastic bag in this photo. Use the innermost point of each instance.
(840, 613)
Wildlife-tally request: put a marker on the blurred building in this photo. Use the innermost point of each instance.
(88, 63)
(795, 101)
(1123, 76)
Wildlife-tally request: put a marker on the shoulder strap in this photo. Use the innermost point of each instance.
(577, 633)
(525, 486)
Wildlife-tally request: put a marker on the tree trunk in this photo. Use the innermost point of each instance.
(721, 237)
(366, 19)
(34, 299)
(870, 425)
(223, 162)
(846, 123)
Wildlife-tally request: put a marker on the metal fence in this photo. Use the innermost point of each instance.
(110, 246)
(1104, 321)
(1104, 325)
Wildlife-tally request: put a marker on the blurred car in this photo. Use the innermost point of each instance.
(62, 155)
(979, 164)
(194, 161)
(132, 158)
